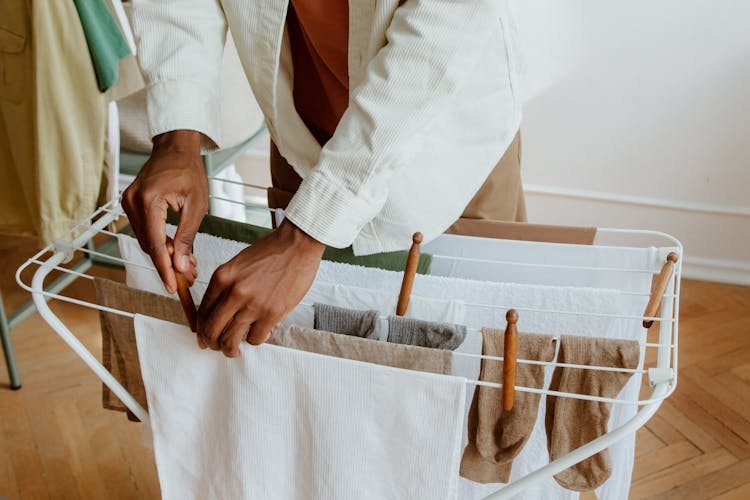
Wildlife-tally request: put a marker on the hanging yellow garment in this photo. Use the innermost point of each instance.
(54, 119)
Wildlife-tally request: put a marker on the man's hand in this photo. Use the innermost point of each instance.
(173, 177)
(253, 292)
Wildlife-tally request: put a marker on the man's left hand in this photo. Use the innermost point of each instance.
(254, 291)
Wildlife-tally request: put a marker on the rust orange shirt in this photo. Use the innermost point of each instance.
(319, 37)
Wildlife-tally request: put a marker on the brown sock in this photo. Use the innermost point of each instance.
(571, 423)
(497, 437)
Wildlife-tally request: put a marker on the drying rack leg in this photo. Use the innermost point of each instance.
(7, 323)
(10, 359)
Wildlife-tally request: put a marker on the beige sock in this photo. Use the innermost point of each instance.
(497, 437)
(571, 423)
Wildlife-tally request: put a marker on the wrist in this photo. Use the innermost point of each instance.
(298, 238)
(178, 141)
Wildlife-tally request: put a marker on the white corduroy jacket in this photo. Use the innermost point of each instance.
(433, 105)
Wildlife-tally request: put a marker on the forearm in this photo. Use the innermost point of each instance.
(432, 48)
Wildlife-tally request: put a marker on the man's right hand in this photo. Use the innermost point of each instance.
(173, 177)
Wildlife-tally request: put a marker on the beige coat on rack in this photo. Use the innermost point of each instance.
(53, 120)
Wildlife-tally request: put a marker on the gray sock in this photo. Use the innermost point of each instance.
(425, 333)
(346, 321)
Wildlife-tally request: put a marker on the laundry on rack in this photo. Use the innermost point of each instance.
(446, 311)
(532, 300)
(53, 121)
(119, 352)
(295, 424)
(212, 251)
(346, 321)
(484, 303)
(571, 423)
(528, 262)
(496, 437)
(362, 349)
(242, 232)
(403, 330)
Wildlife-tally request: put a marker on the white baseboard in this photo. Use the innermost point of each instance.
(721, 270)
(663, 213)
(644, 201)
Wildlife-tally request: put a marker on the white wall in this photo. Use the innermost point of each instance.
(637, 114)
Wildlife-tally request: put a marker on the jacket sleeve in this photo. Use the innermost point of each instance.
(180, 45)
(432, 47)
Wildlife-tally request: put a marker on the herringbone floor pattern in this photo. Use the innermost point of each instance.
(56, 442)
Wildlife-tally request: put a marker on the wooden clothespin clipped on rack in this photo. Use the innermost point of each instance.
(410, 271)
(660, 286)
(183, 292)
(510, 355)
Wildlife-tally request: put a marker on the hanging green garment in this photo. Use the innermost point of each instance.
(106, 44)
(248, 233)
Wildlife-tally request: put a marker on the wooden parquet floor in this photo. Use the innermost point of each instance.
(56, 442)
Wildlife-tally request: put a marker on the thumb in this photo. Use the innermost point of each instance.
(190, 220)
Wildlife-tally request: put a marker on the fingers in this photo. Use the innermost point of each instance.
(191, 216)
(214, 319)
(235, 332)
(260, 330)
(219, 283)
(201, 343)
(156, 243)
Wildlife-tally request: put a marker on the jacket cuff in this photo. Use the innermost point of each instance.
(329, 213)
(184, 105)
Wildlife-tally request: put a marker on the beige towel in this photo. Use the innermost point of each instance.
(497, 437)
(571, 423)
(119, 351)
(120, 354)
(410, 357)
(522, 231)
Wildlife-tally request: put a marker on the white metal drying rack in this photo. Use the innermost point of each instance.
(662, 378)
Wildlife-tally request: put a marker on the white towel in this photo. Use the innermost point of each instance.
(505, 256)
(212, 251)
(282, 424)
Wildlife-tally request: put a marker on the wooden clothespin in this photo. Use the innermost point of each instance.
(660, 286)
(510, 355)
(183, 292)
(412, 261)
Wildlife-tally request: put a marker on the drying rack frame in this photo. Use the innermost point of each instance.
(662, 378)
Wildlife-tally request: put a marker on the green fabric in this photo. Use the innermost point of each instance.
(104, 39)
(248, 233)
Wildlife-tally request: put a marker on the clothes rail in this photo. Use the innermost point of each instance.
(662, 378)
(128, 314)
(518, 388)
(542, 265)
(471, 304)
